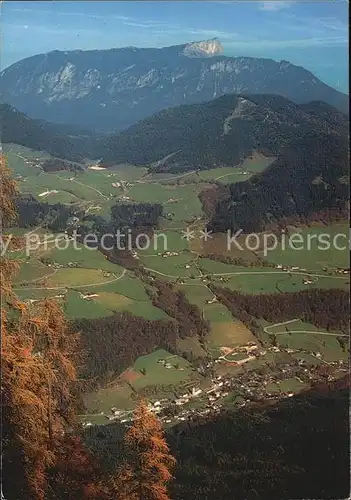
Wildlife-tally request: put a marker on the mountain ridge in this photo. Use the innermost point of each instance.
(221, 132)
(112, 89)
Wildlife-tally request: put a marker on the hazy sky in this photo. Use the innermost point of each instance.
(310, 34)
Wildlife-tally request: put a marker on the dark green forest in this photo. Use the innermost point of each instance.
(307, 177)
(221, 132)
(296, 448)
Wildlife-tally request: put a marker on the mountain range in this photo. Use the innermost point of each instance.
(109, 90)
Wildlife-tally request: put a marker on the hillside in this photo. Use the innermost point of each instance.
(276, 453)
(307, 177)
(222, 132)
(58, 140)
(309, 142)
(113, 89)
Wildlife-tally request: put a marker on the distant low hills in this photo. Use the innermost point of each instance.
(222, 132)
(110, 90)
(58, 140)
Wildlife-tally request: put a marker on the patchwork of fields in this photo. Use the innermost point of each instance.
(88, 285)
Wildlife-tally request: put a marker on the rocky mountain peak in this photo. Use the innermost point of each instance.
(206, 48)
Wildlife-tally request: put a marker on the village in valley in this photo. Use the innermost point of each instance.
(291, 374)
(233, 367)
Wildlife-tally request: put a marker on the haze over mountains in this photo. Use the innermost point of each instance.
(112, 89)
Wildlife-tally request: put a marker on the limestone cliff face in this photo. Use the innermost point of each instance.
(208, 48)
(113, 89)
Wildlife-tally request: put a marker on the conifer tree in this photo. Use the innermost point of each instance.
(37, 361)
(148, 466)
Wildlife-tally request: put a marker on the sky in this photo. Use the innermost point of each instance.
(310, 34)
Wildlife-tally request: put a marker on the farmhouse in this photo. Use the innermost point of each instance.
(88, 295)
(211, 301)
(195, 392)
(307, 281)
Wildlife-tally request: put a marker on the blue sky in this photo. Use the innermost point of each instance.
(310, 34)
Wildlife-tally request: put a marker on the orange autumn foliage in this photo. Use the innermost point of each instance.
(38, 357)
(148, 466)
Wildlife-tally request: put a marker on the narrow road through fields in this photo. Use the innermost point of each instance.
(38, 279)
(73, 287)
(174, 178)
(266, 328)
(90, 187)
(281, 272)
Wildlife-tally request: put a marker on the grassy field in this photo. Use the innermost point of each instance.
(128, 173)
(129, 285)
(163, 241)
(117, 302)
(224, 174)
(117, 289)
(83, 188)
(211, 267)
(77, 277)
(83, 257)
(148, 372)
(199, 294)
(77, 307)
(117, 395)
(18, 155)
(32, 270)
(266, 282)
(312, 256)
(175, 266)
(219, 244)
(180, 201)
(291, 385)
(229, 334)
(287, 385)
(300, 335)
(256, 163)
(224, 329)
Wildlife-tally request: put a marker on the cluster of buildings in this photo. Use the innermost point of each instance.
(56, 265)
(212, 301)
(88, 295)
(168, 365)
(342, 271)
(168, 254)
(290, 268)
(246, 387)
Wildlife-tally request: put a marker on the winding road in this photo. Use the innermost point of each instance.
(266, 328)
